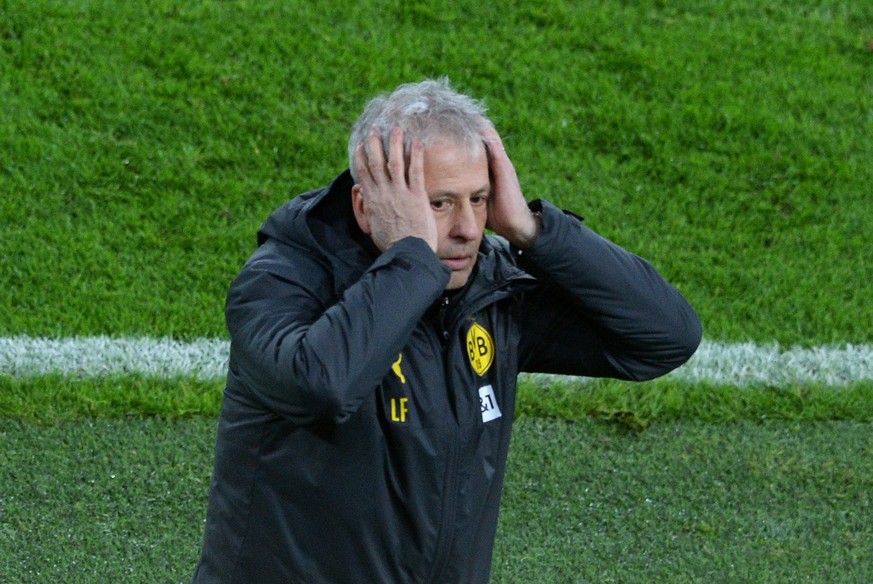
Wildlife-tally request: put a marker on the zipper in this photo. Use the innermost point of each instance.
(474, 305)
(446, 529)
(444, 332)
(446, 536)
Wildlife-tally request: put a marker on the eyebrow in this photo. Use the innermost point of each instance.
(454, 194)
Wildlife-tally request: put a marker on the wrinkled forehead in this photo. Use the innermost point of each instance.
(471, 145)
(457, 168)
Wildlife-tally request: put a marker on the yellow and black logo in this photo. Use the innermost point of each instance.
(395, 367)
(399, 406)
(480, 348)
(399, 409)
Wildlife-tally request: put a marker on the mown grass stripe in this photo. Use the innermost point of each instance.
(737, 364)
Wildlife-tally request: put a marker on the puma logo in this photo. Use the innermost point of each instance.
(396, 368)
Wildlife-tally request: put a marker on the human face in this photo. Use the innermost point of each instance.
(458, 186)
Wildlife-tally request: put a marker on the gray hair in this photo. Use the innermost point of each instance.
(427, 111)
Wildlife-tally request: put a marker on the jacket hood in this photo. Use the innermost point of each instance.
(315, 218)
(322, 221)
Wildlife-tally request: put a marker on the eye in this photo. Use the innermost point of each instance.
(478, 200)
(439, 204)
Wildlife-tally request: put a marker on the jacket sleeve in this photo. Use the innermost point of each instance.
(310, 357)
(599, 311)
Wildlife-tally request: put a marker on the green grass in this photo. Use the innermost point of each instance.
(688, 502)
(55, 398)
(118, 500)
(141, 145)
(124, 500)
(637, 405)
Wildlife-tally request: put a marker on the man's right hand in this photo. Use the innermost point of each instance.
(390, 200)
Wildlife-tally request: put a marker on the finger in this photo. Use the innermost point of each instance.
(501, 167)
(416, 167)
(362, 167)
(375, 156)
(493, 143)
(396, 162)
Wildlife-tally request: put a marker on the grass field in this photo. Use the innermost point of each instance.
(122, 500)
(142, 144)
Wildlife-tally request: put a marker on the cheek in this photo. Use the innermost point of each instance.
(443, 225)
(482, 216)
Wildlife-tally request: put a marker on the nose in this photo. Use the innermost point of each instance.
(464, 224)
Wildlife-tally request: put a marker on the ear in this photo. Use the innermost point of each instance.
(360, 209)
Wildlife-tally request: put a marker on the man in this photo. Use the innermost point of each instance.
(376, 339)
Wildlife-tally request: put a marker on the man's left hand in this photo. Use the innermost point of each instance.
(508, 213)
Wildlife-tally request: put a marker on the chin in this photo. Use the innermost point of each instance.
(457, 280)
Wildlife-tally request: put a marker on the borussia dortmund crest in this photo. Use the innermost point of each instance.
(480, 348)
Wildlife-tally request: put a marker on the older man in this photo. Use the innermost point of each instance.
(377, 334)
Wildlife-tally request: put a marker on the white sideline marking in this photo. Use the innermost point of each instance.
(736, 364)
(100, 356)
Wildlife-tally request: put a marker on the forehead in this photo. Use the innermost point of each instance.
(453, 167)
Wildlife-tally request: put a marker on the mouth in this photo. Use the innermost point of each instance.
(457, 263)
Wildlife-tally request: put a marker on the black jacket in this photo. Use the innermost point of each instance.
(367, 415)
